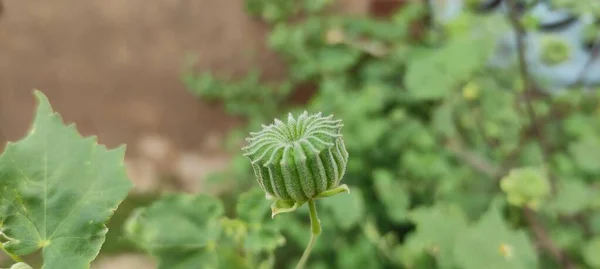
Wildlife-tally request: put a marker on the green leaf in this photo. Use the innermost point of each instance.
(594, 222)
(316, 5)
(491, 244)
(180, 230)
(586, 153)
(264, 238)
(573, 196)
(436, 75)
(393, 195)
(252, 205)
(58, 191)
(437, 229)
(357, 255)
(591, 251)
(347, 209)
(336, 59)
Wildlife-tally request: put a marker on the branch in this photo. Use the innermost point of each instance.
(544, 240)
(542, 237)
(477, 162)
(528, 84)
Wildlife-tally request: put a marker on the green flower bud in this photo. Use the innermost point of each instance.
(555, 50)
(298, 160)
(526, 187)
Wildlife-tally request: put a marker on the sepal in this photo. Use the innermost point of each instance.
(283, 206)
(332, 192)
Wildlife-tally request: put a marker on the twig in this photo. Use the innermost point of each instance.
(595, 52)
(477, 162)
(536, 227)
(544, 240)
(529, 86)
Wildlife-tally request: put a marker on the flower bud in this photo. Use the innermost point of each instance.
(527, 186)
(298, 160)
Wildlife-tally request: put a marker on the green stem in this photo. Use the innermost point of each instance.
(13, 256)
(315, 227)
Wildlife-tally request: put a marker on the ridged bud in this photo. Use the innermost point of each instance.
(298, 160)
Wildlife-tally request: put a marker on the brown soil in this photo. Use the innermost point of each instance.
(113, 68)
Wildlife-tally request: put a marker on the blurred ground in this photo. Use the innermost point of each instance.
(112, 67)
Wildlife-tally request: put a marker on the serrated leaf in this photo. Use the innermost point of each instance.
(179, 230)
(58, 191)
(392, 194)
(491, 244)
(252, 206)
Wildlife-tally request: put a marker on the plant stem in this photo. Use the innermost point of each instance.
(13, 256)
(315, 229)
(528, 84)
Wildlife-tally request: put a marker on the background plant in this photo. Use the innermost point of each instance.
(472, 128)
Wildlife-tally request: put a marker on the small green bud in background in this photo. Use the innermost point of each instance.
(471, 91)
(555, 50)
(530, 22)
(526, 187)
(298, 160)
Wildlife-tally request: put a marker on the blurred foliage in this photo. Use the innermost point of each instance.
(454, 163)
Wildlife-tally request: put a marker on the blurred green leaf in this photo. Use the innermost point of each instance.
(437, 229)
(58, 189)
(252, 205)
(573, 196)
(490, 243)
(591, 251)
(586, 153)
(263, 238)
(348, 209)
(436, 76)
(393, 195)
(181, 231)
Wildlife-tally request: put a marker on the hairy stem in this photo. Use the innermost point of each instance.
(315, 230)
(12, 256)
